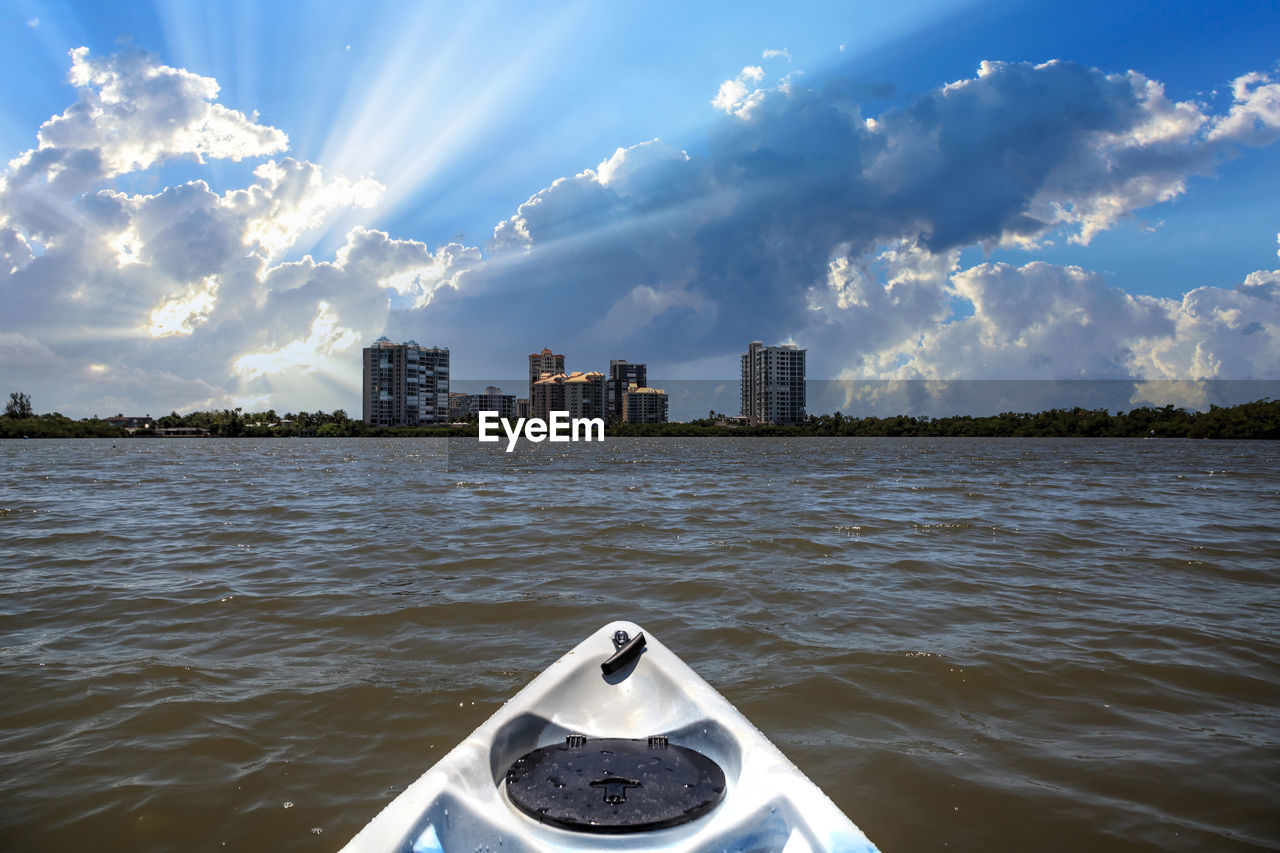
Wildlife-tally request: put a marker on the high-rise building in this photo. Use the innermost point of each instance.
(545, 363)
(642, 405)
(582, 395)
(622, 375)
(773, 384)
(458, 406)
(405, 384)
(546, 395)
(492, 400)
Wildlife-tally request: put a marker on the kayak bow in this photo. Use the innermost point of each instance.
(616, 746)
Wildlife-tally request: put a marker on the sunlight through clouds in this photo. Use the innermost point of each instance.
(326, 338)
(108, 277)
(180, 316)
(896, 224)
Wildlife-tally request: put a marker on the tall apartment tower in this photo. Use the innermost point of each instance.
(773, 384)
(405, 384)
(622, 375)
(545, 362)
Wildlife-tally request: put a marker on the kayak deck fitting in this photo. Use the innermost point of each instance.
(618, 745)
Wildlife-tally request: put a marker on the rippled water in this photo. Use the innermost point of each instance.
(974, 644)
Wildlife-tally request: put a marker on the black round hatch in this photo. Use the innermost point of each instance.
(614, 785)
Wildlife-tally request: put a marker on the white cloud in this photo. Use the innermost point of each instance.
(180, 315)
(1254, 118)
(326, 338)
(731, 93)
(738, 98)
(782, 53)
(1042, 321)
(101, 286)
(291, 198)
(136, 113)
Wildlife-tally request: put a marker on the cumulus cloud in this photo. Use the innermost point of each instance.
(135, 112)
(1044, 321)
(806, 218)
(1031, 322)
(102, 285)
(737, 96)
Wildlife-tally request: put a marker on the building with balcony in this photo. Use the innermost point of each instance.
(545, 363)
(773, 384)
(458, 406)
(582, 395)
(492, 400)
(405, 384)
(622, 375)
(641, 405)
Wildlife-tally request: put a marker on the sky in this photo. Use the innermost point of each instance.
(219, 204)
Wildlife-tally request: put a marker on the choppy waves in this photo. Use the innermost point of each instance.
(984, 644)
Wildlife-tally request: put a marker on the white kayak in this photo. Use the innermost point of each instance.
(637, 754)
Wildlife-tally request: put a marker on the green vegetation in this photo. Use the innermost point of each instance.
(1259, 419)
(335, 424)
(19, 406)
(56, 425)
(1256, 420)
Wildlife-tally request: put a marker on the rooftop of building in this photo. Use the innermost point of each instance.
(633, 388)
(384, 341)
(575, 376)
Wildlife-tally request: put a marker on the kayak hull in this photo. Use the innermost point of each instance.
(461, 803)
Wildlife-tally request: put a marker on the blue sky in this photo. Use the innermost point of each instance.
(859, 187)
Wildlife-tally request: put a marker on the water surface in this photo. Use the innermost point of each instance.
(975, 644)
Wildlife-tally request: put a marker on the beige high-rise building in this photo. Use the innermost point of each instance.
(405, 384)
(584, 395)
(642, 405)
(545, 363)
(580, 394)
(546, 395)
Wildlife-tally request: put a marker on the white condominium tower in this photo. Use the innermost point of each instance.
(405, 384)
(773, 384)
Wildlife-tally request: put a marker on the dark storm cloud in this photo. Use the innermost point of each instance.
(735, 244)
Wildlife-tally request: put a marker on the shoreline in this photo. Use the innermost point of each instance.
(1259, 420)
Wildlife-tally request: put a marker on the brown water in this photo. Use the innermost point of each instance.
(973, 644)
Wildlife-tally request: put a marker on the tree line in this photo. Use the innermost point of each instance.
(1257, 420)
